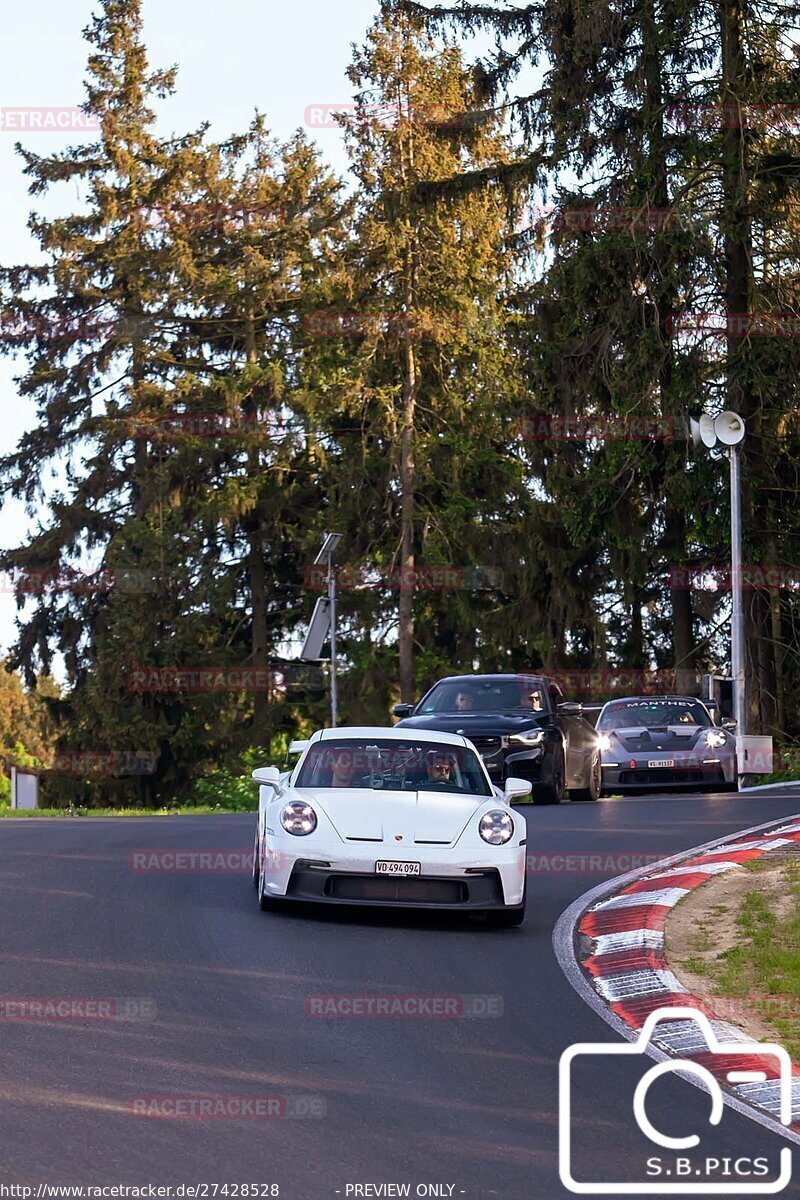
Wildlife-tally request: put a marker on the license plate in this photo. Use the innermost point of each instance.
(661, 762)
(398, 868)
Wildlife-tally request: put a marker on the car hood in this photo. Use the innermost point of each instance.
(669, 737)
(362, 815)
(481, 724)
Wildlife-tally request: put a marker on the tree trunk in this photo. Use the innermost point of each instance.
(256, 568)
(674, 511)
(407, 481)
(740, 394)
(405, 628)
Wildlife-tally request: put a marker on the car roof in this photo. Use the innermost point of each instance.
(655, 699)
(490, 675)
(389, 732)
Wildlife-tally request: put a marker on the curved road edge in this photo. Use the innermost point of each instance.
(565, 946)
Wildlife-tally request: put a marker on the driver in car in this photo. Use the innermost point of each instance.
(464, 702)
(439, 770)
(342, 770)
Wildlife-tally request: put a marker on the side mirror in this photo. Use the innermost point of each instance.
(402, 710)
(571, 708)
(728, 723)
(270, 776)
(515, 789)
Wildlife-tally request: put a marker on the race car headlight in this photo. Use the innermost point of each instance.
(496, 827)
(604, 741)
(531, 737)
(299, 818)
(715, 738)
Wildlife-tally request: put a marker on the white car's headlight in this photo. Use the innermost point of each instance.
(715, 738)
(531, 737)
(496, 827)
(299, 818)
(604, 741)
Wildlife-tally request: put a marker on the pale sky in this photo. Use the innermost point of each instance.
(233, 57)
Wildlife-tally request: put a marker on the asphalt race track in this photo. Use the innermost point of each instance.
(470, 1103)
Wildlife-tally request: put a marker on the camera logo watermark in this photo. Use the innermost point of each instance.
(736, 1063)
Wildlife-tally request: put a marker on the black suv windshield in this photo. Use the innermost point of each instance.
(487, 695)
(653, 714)
(377, 763)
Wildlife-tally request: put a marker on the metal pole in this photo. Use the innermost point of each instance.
(737, 616)
(332, 599)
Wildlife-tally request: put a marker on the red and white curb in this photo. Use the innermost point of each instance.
(610, 945)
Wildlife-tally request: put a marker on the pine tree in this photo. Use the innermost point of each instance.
(428, 379)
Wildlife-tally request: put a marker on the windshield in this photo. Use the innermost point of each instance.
(487, 695)
(653, 714)
(383, 763)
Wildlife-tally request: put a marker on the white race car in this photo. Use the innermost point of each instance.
(391, 817)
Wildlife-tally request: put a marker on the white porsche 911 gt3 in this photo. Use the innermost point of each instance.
(391, 817)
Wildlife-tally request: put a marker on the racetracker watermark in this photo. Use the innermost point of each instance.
(548, 427)
(767, 117)
(737, 325)
(177, 426)
(211, 215)
(739, 1008)
(609, 863)
(330, 115)
(438, 1006)
(709, 578)
(149, 860)
(83, 1008)
(98, 762)
(436, 578)
(36, 581)
(228, 1107)
(414, 325)
(201, 679)
(603, 218)
(642, 681)
(46, 119)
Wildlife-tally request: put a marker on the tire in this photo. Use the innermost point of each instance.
(552, 793)
(266, 903)
(509, 918)
(254, 871)
(592, 792)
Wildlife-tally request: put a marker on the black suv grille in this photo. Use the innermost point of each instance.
(486, 745)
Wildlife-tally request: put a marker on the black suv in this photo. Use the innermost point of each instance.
(521, 726)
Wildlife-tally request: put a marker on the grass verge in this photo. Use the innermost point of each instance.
(737, 944)
(187, 810)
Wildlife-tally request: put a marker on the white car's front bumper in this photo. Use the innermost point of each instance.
(450, 877)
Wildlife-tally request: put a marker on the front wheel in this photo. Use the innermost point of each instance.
(255, 871)
(592, 791)
(509, 918)
(553, 792)
(265, 902)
